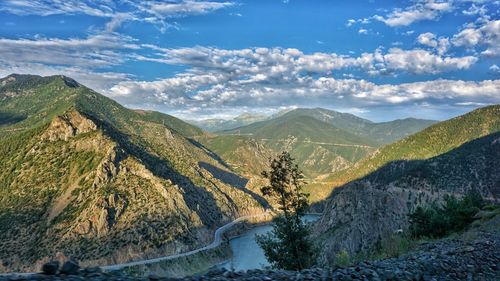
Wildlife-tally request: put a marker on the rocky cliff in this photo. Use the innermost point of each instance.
(448, 158)
(83, 177)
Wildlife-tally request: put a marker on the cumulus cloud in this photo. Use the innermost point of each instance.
(421, 10)
(421, 61)
(284, 65)
(320, 91)
(271, 77)
(429, 39)
(487, 35)
(362, 31)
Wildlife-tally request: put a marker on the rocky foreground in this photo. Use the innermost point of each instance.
(449, 259)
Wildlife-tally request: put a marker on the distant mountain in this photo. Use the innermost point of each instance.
(213, 125)
(319, 147)
(449, 157)
(325, 141)
(381, 133)
(83, 176)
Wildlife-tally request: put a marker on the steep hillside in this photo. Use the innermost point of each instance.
(82, 176)
(450, 157)
(245, 155)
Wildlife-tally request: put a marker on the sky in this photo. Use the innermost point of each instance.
(381, 60)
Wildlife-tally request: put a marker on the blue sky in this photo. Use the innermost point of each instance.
(205, 59)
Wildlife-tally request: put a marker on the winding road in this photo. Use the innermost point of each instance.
(217, 241)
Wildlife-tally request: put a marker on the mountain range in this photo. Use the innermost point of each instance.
(324, 142)
(449, 157)
(82, 176)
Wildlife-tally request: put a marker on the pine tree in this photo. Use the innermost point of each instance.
(287, 246)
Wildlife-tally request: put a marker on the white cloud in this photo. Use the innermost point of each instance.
(267, 77)
(421, 61)
(429, 39)
(487, 35)
(422, 10)
(475, 10)
(99, 8)
(155, 12)
(320, 91)
(98, 50)
(186, 7)
(362, 31)
(285, 65)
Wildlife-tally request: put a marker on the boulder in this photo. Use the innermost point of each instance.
(50, 268)
(70, 267)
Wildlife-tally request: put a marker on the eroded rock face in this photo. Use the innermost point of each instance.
(8, 80)
(109, 167)
(68, 125)
(110, 210)
(361, 215)
(366, 210)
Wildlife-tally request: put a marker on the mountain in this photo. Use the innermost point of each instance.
(319, 147)
(449, 157)
(381, 133)
(81, 176)
(214, 125)
(323, 141)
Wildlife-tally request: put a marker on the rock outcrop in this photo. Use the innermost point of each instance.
(68, 125)
(83, 177)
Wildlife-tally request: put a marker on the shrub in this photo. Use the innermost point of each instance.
(342, 258)
(439, 220)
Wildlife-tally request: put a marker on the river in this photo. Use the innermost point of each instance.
(246, 252)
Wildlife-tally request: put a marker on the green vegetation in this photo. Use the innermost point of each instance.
(287, 245)
(319, 147)
(454, 215)
(82, 175)
(436, 140)
(343, 259)
(323, 141)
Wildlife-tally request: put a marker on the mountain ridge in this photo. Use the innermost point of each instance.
(373, 199)
(101, 183)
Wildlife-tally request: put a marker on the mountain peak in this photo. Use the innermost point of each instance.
(22, 80)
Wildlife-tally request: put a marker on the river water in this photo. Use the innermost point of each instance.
(246, 252)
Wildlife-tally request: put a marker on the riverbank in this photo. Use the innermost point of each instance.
(460, 258)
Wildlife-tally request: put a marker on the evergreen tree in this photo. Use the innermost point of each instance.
(287, 246)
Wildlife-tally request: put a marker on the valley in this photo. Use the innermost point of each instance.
(244, 140)
(83, 177)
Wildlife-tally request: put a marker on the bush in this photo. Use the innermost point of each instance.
(342, 259)
(439, 220)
